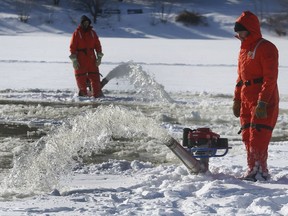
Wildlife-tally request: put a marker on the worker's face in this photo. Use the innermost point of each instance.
(85, 24)
(242, 35)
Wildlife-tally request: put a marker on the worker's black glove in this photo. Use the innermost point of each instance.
(261, 110)
(236, 108)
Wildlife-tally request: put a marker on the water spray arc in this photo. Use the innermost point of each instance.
(142, 82)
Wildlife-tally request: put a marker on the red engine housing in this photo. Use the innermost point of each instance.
(201, 137)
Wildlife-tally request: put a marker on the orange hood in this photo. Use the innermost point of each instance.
(251, 23)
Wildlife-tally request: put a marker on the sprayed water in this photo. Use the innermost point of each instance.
(40, 169)
(142, 82)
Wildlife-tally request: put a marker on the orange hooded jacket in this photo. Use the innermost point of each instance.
(83, 44)
(258, 59)
(257, 81)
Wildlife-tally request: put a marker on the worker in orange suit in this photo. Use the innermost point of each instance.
(256, 97)
(86, 55)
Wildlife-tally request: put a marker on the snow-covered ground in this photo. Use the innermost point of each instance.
(108, 156)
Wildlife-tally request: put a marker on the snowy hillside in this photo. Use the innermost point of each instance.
(219, 15)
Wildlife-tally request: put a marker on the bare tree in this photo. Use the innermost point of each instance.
(162, 11)
(94, 7)
(98, 7)
(56, 2)
(24, 9)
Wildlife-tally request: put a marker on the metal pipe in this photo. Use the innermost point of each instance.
(104, 82)
(188, 160)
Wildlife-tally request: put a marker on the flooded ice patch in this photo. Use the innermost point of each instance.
(55, 155)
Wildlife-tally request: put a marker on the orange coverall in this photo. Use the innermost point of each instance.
(84, 44)
(257, 81)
